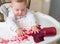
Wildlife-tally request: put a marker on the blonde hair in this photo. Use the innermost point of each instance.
(19, 1)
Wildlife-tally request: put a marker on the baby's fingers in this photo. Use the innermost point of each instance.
(37, 30)
(24, 33)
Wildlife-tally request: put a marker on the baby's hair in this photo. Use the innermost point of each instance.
(19, 1)
(1, 17)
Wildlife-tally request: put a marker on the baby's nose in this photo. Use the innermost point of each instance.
(20, 12)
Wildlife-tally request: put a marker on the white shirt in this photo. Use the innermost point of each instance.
(26, 21)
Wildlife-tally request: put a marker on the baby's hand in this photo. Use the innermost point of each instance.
(35, 30)
(20, 32)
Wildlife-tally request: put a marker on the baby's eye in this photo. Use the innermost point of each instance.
(17, 9)
(22, 9)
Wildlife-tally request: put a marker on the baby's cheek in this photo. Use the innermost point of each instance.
(24, 12)
(16, 14)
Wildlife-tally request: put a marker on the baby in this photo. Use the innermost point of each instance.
(21, 17)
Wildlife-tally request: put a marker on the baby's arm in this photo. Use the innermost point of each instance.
(14, 27)
(10, 22)
(20, 32)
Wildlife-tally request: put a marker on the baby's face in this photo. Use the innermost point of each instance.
(19, 8)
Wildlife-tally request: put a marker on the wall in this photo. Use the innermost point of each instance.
(45, 6)
(55, 9)
(36, 5)
(40, 5)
